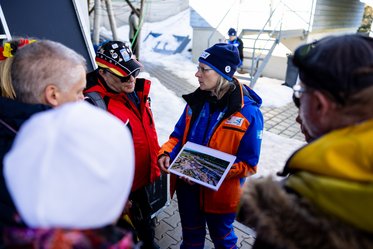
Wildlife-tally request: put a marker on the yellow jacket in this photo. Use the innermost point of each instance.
(335, 172)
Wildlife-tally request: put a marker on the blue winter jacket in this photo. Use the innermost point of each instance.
(233, 125)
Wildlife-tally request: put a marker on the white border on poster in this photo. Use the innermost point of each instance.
(81, 10)
(210, 152)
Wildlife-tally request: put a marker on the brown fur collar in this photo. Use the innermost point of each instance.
(285, 220)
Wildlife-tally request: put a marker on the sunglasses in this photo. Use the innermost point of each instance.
(125, 78)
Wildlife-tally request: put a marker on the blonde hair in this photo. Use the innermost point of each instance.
(6, 87)
(222, 86)
(8, 50)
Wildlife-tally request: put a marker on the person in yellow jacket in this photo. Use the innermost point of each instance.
(326, 200)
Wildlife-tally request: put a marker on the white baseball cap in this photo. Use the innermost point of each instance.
(70, 167)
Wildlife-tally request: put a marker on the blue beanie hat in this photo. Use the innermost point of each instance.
(223, 58)
(232, 32)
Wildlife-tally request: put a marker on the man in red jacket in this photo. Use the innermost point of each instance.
(126, 97)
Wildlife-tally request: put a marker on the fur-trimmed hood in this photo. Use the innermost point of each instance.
(284, 220)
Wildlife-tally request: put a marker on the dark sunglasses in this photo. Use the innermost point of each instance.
(126, 78)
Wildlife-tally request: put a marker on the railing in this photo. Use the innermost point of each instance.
(277, 31)
(300, 18)
(256, 70)
(221, 21)
(261, 48)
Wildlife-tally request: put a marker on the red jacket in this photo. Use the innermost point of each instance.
(140, 121)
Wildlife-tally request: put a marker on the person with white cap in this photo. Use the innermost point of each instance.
(222, 114)
(44, 74)
(127, 97)
(69, 180)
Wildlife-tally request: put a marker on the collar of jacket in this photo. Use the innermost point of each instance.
(15, 111)
(284, 220)
(235, 100)
(350, 201)
(335, 173)
(344, 153)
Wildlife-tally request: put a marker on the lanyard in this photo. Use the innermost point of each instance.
(8, 126)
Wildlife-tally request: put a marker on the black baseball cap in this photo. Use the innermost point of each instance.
(117, 57)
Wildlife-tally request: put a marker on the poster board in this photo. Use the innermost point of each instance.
(64, 21)
(202, 165)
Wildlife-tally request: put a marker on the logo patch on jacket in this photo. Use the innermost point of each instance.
(237, 121)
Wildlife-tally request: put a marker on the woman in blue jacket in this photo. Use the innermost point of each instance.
(224, 115)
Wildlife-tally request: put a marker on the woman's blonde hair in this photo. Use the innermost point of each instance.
(6, 87)
(7, 52)
(222, 87)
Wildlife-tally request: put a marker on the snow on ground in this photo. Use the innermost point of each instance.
(167, 107)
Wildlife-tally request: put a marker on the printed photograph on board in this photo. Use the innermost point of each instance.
(202, 165)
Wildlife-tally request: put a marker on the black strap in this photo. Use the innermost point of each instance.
(95, 99)
(246, 92)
